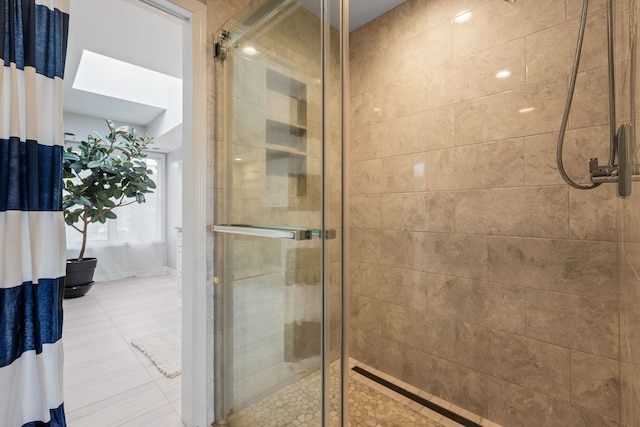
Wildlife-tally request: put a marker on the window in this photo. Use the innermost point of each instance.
(136, 222)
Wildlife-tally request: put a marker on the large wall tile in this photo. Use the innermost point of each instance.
(364, 211)
(576, 267)
(418, 53)
(529, 363)
(450, 254)
(535, 212)
(366, 178)
(413, 94)
(365, 315)
(498, 164)
(362, 143)
(363, 59)
(486, 304)
(398, 286)
(367, 108)
(477, 74)
(591, 94)
(377, 247)
(585, 324)
(511, 405)
(390, 175)
(404, 173)
(499, 22)
(432, 334)
(595, 384)
(433, 211)
(437, 86)
(592, 213)
(424, 131)
(540, 167)
(533, 110)
(550, 52)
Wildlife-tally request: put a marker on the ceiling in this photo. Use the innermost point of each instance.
(129, 31)
(136, 33)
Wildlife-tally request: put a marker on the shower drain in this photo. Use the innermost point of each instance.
(422, 401)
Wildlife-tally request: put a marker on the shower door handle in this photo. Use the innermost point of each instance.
(271, 232)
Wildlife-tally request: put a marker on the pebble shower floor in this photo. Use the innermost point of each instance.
(294, 405)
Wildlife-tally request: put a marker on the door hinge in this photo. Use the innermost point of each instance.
(220, 45)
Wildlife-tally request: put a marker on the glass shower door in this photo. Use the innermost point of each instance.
(277, 225)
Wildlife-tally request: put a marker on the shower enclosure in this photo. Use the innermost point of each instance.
(278, 215)
(476, 274)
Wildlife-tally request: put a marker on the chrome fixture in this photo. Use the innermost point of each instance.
(620, 140)
(271, 232)
(287, 233)
(220, 45)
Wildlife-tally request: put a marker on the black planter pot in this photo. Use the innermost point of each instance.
(79, 277)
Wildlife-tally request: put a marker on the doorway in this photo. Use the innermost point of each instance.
(193, 131)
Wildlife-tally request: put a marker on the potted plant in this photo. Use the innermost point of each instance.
(100, 175)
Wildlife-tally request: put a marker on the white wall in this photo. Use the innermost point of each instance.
(82, 126)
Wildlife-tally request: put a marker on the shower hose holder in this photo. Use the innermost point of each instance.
(625, 172)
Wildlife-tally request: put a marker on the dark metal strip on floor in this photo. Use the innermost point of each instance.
(422, 401)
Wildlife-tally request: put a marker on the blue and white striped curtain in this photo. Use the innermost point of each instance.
(32, 245)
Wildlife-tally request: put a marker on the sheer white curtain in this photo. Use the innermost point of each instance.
(32, 245)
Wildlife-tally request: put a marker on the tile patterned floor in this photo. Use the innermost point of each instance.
(107, 382)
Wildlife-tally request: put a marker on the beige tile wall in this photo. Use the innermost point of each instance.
(476, 273)
(629, 263)
(630, 307)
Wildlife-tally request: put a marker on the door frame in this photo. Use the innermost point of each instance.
(195, 357)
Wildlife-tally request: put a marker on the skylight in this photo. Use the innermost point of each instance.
(107, 76)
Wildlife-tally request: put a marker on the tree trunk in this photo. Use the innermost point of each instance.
(84, 236)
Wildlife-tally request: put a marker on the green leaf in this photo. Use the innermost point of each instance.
(82, 202)
(100, 172)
